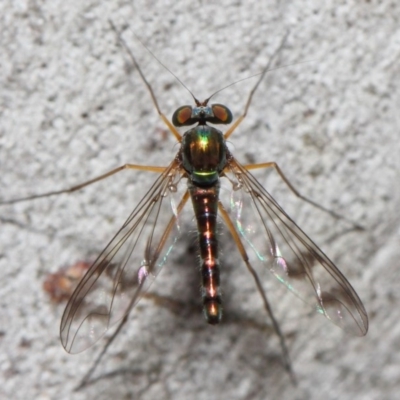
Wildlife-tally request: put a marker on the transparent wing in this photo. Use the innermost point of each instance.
(126, 267)
(292, 257)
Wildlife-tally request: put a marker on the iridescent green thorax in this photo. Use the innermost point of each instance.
(203, 154)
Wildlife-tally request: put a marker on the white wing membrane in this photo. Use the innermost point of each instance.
(292, 257)
(126, 267)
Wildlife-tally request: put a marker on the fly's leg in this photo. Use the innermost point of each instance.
(155, 256)
(242, 251)
(87, 376)
(276, 167)
(145, 81)
(246, 108)
(87, 183)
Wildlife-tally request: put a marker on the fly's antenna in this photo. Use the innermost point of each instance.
(264, 71)
(260, 73)
(128, 50)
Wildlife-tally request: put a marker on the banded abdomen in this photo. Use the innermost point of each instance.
(205, 205)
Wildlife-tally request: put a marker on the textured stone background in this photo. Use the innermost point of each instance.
(71, 108)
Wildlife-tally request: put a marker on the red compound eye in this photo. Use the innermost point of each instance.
(222, 113)
(182, 116)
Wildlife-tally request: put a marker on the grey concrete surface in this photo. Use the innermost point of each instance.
(71, 108)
